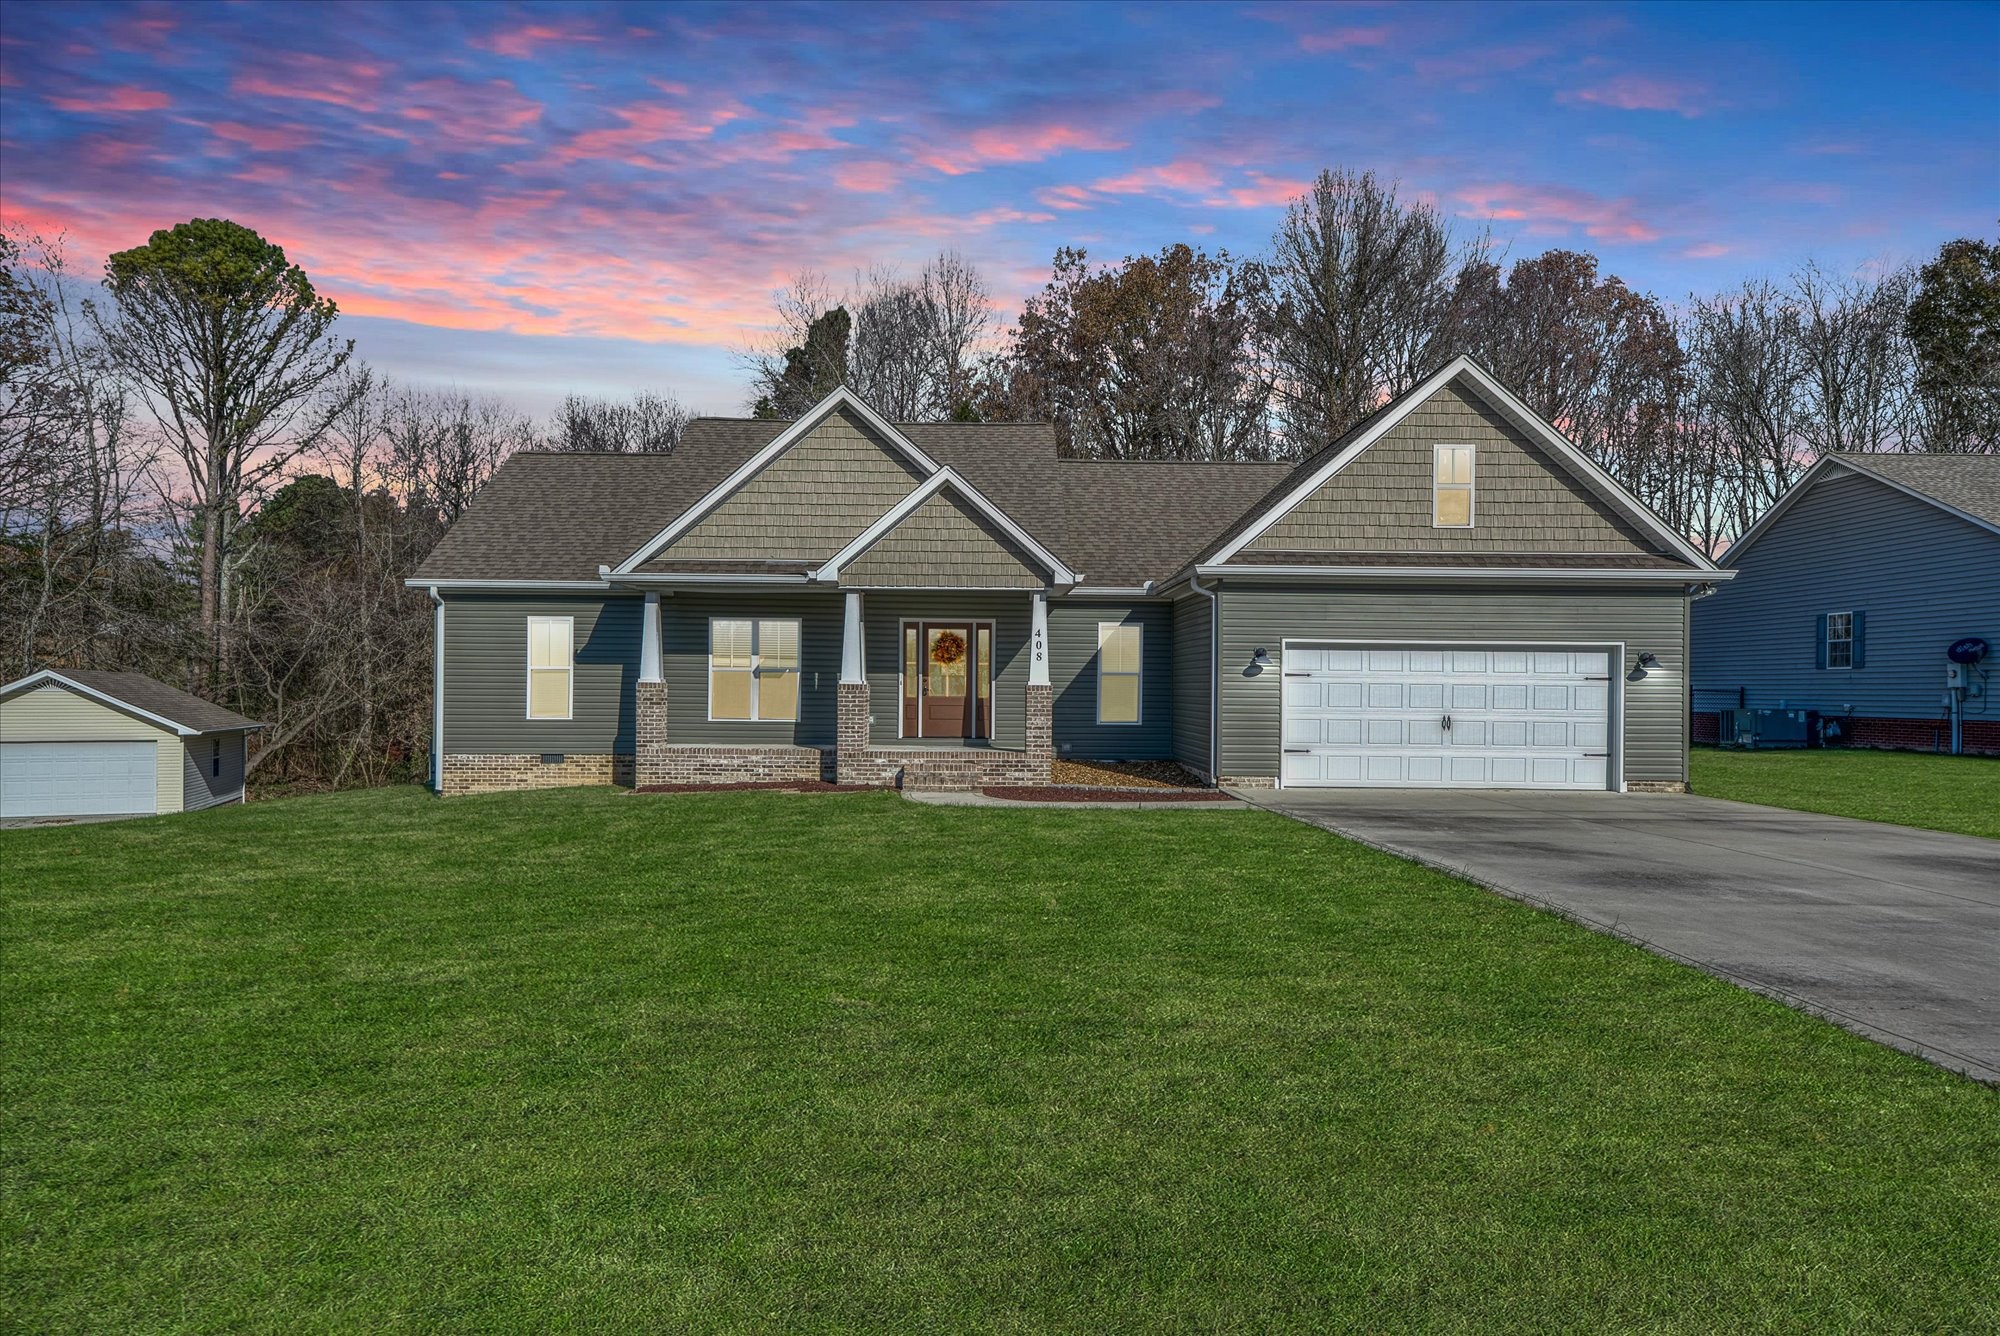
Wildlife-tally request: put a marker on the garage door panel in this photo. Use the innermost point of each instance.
(1436, 717)
(40, 779)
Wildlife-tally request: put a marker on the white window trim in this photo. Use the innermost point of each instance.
(529, 671)
(992, 627)
(1847, 640)
(1471, 485)
(756, 666)
(1139, 676)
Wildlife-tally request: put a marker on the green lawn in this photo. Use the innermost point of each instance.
(1957, 793)
(592, 1061)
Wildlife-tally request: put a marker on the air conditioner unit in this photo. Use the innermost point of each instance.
(1766, 728)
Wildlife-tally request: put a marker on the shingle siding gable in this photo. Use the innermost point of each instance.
(1525, 500)
(805, 504)
(941, 542)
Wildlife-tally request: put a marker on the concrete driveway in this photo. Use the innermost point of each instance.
(1889, 931)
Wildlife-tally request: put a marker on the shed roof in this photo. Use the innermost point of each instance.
(143, 695)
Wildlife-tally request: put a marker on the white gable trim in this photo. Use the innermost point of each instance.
(1836, 464)
(841, 397)
(943, 478)
(50, 675)
(1497, 394)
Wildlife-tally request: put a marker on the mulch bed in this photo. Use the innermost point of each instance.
(1122, 775)
(772, 785)
(1054, 793)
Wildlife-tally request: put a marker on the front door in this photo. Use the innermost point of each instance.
(948, 691)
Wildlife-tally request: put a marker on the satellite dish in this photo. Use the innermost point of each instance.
(1969, 650)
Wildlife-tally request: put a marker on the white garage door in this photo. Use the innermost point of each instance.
(1447, 718)
(78, 778)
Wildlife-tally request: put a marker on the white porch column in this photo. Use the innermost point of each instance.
(1038, 643)
(649, 641)
(852, 658)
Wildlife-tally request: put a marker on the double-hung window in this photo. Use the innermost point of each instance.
(551, 667)
(1840, 640)
(1120, 649)
(753, 669)
(1451, 487)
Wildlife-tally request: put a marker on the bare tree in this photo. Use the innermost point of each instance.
(1859, 365)
(444, 445)
(1750, 384)
(648, 424)
(1355, 302)
(233, 352)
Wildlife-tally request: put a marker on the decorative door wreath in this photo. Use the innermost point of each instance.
(948, 648)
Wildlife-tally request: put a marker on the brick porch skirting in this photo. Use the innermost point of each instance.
(674, 764)
(470, 773)
(942, 768)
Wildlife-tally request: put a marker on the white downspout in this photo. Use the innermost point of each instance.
(1214, 678)
(437, 691)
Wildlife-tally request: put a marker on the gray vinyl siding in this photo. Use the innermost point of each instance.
(806, 504)
(486, 675)
(1654, 720)
(1194, 681)
(1924, 578)
(200, 785)
(1524, 500)
(1073, 674)
(940, 543)
(684, 618)
(884, 614)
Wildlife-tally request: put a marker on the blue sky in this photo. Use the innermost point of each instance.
(536, 198)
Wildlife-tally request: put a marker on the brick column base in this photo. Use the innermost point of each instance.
(1040, 721)
(650, 726)
(851, 765)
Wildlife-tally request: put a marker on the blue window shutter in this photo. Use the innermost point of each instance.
(1822, 640)
(1860, 636)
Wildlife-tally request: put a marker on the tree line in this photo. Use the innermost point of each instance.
(200, 480)
(1707, 409)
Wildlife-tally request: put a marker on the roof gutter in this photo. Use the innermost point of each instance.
(1482, 575)
(528, 585)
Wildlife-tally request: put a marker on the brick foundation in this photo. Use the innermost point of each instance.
(1981, 736)
(740, 765)
(495, 774)
(1247, 782)
(851, 735)
(1656, 786)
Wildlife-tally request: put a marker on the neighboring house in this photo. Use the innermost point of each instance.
(78, 743)
(1449, 595)
(1848, 593)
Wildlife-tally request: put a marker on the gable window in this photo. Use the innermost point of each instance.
(1119, 651)
(1840, 635)
(753, 669)
(1451, 487)
(551, 666)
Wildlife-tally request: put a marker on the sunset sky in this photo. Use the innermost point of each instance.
(530, 199)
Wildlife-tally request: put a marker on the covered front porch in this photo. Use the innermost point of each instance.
(927, 688)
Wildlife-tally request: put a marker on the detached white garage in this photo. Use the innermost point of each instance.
(1451, 716)
(77, 743)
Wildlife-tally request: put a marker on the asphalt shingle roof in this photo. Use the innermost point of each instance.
(1967, 483)
(156, 697)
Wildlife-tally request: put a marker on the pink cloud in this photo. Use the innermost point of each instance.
(868, 178)
(490, 112)
(1707, 250)
(1265, 192)
(1015, 144)
(644, 125)
(123, 98)
(1639, 92)
(1547, 210)
(519, 43)
(305, 77)
(1184, 175)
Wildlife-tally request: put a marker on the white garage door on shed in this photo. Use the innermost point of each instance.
(78, 778)
(1446, 717)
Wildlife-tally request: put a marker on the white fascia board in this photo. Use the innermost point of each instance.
(1482, 575)
(125, 706)
(527, 586)
(1499, 394)
(1111, 591)
(656, 579)
(945, 477)
(841, 397)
